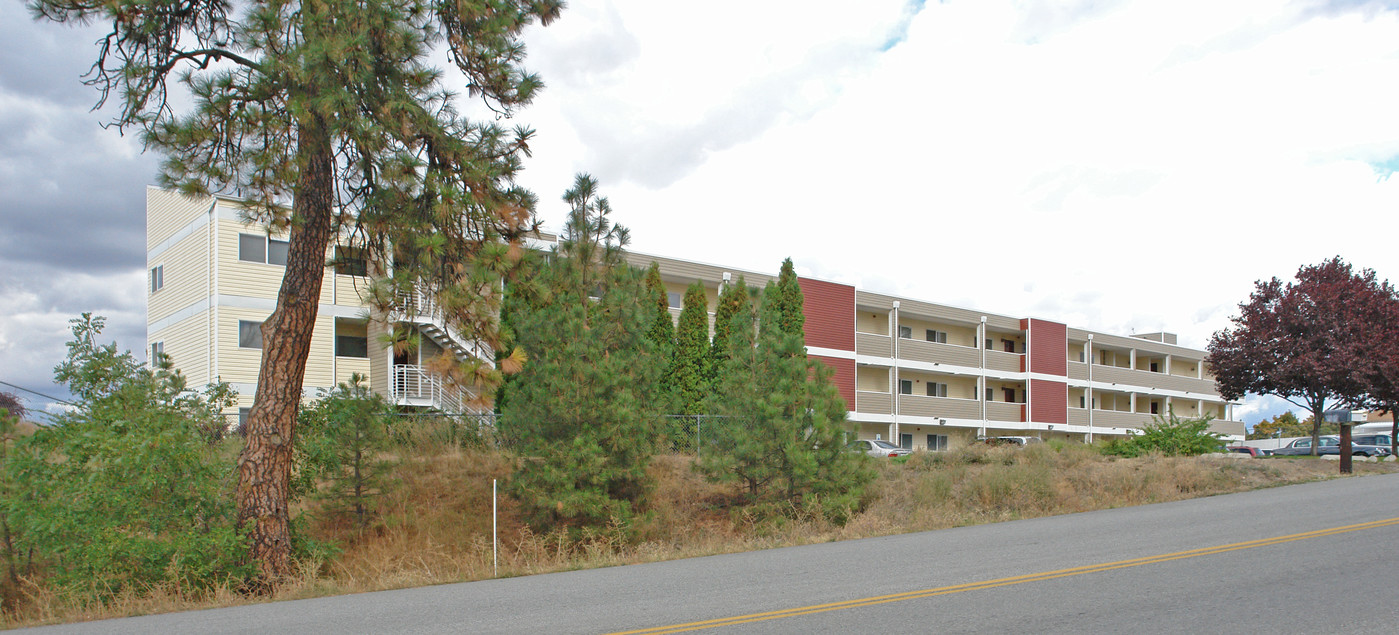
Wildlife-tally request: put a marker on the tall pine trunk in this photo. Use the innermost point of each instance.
(264, 467)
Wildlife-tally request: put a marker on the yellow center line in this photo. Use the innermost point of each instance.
(999, 582)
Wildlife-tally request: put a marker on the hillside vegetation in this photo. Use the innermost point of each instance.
(433, 525)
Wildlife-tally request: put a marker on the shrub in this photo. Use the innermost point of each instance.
(1171, 436)
(124, 491)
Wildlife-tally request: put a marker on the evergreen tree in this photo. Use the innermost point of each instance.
(784, 422)
(345, 437)
(662, 330)
(335, 107)
(732, 300)
(583, 412)
(789, 300)
(689, 375)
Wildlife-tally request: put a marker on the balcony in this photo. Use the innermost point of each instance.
(1001, 411)
(875, 403)
(951, 354)
(414, 385)
(942, 407)
(1003, 361)
(1106, 375)
(873, 345)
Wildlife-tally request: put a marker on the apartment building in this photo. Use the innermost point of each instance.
(924, 375)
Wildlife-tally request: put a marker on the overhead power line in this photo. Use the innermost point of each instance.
(35, 392)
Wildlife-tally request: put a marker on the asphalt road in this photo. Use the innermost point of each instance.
(1318, 557)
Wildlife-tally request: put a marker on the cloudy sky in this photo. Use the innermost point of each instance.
(1121, 166)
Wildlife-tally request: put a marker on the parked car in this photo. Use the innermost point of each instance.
(1241, 449)
(1330, 444)
(1020, 441)
(879, 448)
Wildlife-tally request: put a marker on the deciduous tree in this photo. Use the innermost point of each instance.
(1381, 372)
(334, 108)
(1302, 341)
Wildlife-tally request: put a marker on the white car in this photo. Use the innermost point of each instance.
(879, 448)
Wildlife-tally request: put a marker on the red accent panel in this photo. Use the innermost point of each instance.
(830, 317)
(1049, 401)
(1049, 348)
(844, 377)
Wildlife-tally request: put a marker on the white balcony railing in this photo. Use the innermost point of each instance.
(413, 385)
(420, 308)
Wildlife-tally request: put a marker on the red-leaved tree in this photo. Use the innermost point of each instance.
(1381, 373)
(1305, 341)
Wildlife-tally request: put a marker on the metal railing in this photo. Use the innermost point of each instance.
(412, 384)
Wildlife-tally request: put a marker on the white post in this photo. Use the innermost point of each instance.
(1089, 357)
(495, 540)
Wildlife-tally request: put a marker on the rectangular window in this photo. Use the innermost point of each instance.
(906, 441)
(1155, 409)
(249, 334)
(1009, 394)
(1008, 346)
(937, 442)
(252, 248)
(157, 278)
(256, 248)
(675, 300)
(989, 345)
(1080, 356)
(351, 262)
(243, 421)
(905, 386)
(1154, 368)
(157, 349)
(990, 394)
(936, 389)
(937, 336)
(1082, 401)
(351, 339)
(906, 332)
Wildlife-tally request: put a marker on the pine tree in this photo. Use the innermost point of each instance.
(335, 107)
(689, 373)
(662, 330)
(583, 413)
(733, 300)
(784, 423)
(789, 300)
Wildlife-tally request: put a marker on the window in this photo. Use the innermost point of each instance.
(937, 390)
(1009, 394)
(937, 442)
(937, 336)
(157, 349)
(905, 386)
(1154, 368)
(257, 248)
(990, 394)
(243, 421)
(351, 262)
(989, 345)
(674, 299)
(351, 339)
(1008, 346)
(157, 278)
(1155, 408)
(249, 334)
(906, 332)
(906, 441)
(1080, 356)
(1082, 401)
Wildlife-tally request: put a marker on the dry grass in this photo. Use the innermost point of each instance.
(435, 526)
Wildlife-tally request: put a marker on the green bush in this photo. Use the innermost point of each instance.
(1170, 436)
(125, 489)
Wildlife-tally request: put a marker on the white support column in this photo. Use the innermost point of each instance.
(1167, 369)
(1088, 347)
(1132, 358)
(1132, 401)
(981, 382)
(897, 387)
